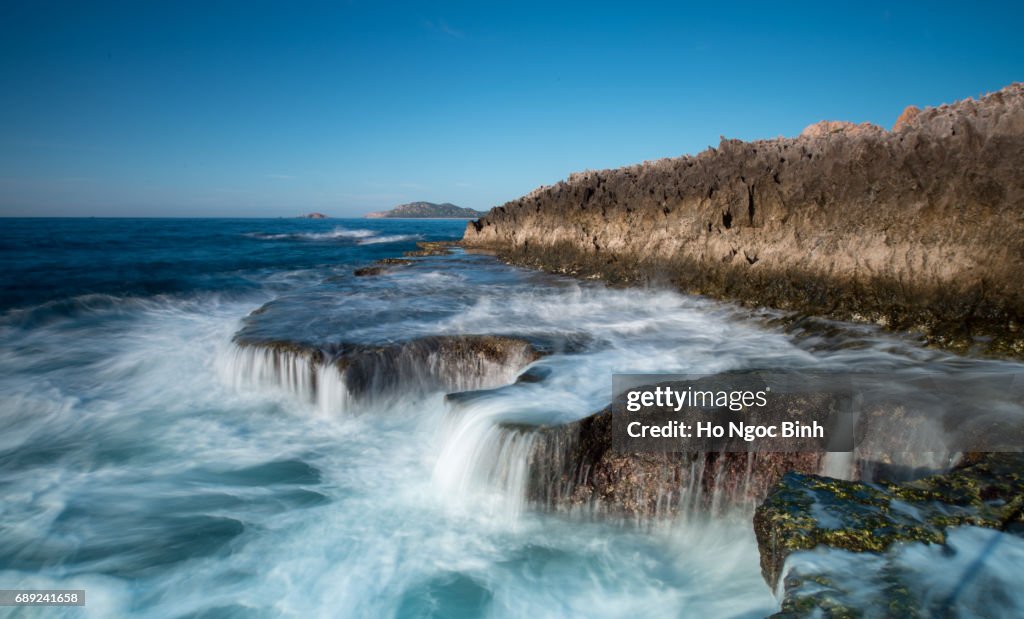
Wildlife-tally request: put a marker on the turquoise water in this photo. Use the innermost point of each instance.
(142, 460)
(134, 466)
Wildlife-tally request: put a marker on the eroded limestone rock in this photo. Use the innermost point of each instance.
(918, 229)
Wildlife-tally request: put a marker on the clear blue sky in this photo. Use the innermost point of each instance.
(213, 108)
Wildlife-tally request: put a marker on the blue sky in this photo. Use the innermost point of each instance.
(264, 109)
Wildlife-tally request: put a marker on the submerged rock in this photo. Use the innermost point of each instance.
(449, 363)
(807, 512)
(380, 267)
(282, 348)
(975, 573)
(367, 271)
(433, 248)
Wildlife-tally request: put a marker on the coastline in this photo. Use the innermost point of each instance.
(916, 229)
(439, 384)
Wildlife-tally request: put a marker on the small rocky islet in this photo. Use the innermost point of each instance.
(426, 210)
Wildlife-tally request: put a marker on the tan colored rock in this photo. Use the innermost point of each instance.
(920, 229)
(826, 128)
(909, 114)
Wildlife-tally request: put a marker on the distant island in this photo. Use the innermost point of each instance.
(313, 216)
(427, 210)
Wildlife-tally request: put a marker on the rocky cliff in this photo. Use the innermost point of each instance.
(918, 228)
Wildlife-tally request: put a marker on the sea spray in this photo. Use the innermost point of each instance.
(147, 459)
(375, 377)
(293, 371)
(480, 458)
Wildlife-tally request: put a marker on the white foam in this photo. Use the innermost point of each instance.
(336, 233)
(976, 573)
(127, 421)
(390, 238)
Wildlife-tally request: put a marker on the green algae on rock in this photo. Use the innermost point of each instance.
(808, 512)
(432, 248)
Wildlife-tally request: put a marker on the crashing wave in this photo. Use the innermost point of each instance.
(335, 378)
(336, 233)
(390, 238)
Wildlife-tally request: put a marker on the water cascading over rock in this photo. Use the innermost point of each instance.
(336, 377)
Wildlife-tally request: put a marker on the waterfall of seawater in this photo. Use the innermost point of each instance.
(338, 388)
(148, 458)
(480, 458)
(505, 451)
(297, 374)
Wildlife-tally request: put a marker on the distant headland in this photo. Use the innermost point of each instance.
(313, 216)
(426, 210)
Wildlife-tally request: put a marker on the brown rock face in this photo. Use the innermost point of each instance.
(909, 114)
(435, 363)
(920, 229)
(827, 128)
(574, 466)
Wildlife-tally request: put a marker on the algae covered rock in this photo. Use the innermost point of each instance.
(432, 248)
(865, 527)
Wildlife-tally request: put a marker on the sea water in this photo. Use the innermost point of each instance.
(145, 459)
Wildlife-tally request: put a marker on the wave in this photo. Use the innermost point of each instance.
(107, 306)
(337, 233)
(391, 238)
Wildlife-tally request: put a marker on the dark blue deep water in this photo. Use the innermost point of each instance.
(150, 459)
(58, 259)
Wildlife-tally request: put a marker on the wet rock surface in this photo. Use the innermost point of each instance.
(432, 248)
(575, 467)
(916, 229)
(380, 267)
(368, 271)
(449, 362)
(443, 363)
(806, 512)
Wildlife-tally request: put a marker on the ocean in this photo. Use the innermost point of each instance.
(155, 454)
